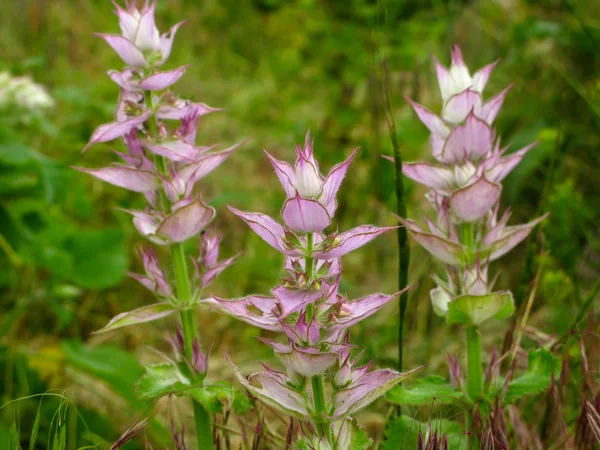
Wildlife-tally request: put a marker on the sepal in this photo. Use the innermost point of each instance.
(475, 309)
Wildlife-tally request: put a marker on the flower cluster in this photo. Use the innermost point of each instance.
(465, 191)
(23, 93)
(162, 160)
(308, 309)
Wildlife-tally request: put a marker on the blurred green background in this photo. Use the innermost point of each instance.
(277, 68)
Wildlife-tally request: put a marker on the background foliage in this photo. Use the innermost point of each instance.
(277, 67)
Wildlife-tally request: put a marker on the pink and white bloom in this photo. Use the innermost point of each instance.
(307, 308)
(311, 200)
(464, 189)
(140, 43)
(162, 160)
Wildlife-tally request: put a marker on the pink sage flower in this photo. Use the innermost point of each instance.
(307, 307)
(464, 190)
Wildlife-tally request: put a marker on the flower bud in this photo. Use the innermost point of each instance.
(199, 360)
(308, 182)
(464, 173)
(440, 300)
(209, 248)
(343, 376)
(139, 27)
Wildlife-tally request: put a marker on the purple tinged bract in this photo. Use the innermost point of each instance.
(307, 308)
(162, 160)
(464, 188)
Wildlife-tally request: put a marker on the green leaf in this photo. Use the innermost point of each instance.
(241, 402)
(13, 183)
(402, 433)
(209, 398)
(301, 445)
(15, 154)
(476, 309)
(59, 262)
(360, 439)
(56, 180)
(119, 369)
(538, 377)
(13, 438)
(430, 389)
(4, 436)
(139, 315)
(214, 396)
(99, 258)
(35, 428)
(160, 380)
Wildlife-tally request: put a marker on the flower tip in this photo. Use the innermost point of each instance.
(457, 57)
(407, 288)
(388, 158)
(408, 99)
(353, 154)
(416, 369)
(234, 210)
(248, 139)
(398, 218)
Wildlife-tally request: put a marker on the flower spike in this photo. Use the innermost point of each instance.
(465, 190)
(307, 307)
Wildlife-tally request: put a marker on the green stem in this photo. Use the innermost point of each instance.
(402, 235)
(309, 268)
(474, 364)
(202, 418)
(403, 248)
(320, 404)
(203, 427)
(181, 273)
(309, 260)
(188, 322)
(318, 381)
(468, 239)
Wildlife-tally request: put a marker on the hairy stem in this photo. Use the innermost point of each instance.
(318, 381)
(309, 269)
(309, 260)
(468, 240)
(202, 418)
(474, 364)
(203, 427)
(320, 404)
(188, 322)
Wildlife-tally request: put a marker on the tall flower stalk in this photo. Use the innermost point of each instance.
(163, 163)
(465, 187)
(322, 385)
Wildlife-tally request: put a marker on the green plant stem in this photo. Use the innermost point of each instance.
(474, 365)
(402, 237)
(468, 240)
(402, 234)
(188, 322)
(318, 381)
(309, 269)
(202, 417)
(309, 260)
(203, 426)
(320, 404)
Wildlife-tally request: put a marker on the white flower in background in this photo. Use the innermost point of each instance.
(24, 93)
